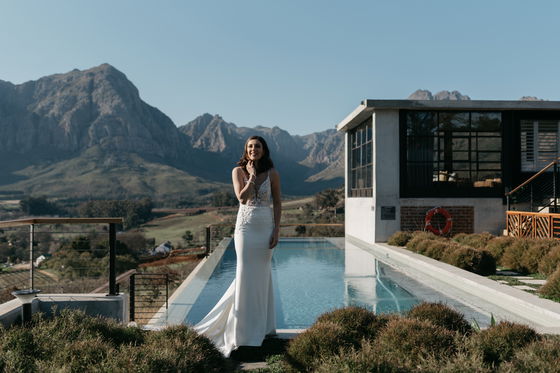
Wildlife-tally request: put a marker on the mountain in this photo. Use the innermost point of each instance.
(424, 94)
(88, 134)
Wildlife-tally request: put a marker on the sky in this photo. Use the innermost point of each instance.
(302, 65)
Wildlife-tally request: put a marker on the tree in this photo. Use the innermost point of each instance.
(223, 198)
(188, 237)
(39, 206)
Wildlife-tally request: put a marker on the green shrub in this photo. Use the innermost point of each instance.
(441, 315)
(18, 350)
(439, 249)
(551, 289)
(365, 359)
(179, 348)
(542, 356)
(407, 342)
(534, 254)
(500, 342)
(399, 238)
(478, 261)
(497, 246)
(513, 254)
(320, 341)
(83, 355)
(462, 362)
(474, 240)
(549, 263)
(358, 323)
(418, 237)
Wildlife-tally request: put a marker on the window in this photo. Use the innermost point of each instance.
(539, 143)
(361, 160)
(451, 153)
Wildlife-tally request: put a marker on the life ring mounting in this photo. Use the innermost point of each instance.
(437, 230)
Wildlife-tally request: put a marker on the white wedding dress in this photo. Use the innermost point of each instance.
(245, 313)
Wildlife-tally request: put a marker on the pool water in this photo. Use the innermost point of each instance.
(312, 277)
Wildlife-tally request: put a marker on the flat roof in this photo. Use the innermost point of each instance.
(367, 107)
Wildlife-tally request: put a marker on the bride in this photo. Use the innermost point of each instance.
(245, 314)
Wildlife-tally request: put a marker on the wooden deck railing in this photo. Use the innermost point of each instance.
(533, 224)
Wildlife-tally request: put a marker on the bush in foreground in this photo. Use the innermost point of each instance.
(549, 263)
(478, 261)
(399, 238)
(551, 289)
(357, 322)
(500, 342)
(497, 245)
(541, 356)
(75, 342)
(474, 240)
(321, 340)
(407, 342)
(537, 250)
(441, 315)
(513, 254)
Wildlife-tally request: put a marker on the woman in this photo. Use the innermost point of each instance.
(245, 314)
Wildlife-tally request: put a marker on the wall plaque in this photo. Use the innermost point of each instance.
(388, 212)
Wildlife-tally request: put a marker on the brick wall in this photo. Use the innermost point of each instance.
(412, 218)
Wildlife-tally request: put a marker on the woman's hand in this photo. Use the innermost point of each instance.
(274, 239)
(251, 168)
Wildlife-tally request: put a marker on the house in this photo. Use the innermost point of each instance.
(406, 157)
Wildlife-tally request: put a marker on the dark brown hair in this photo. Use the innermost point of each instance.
(262, 165)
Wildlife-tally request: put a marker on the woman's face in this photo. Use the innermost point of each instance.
(254, 150)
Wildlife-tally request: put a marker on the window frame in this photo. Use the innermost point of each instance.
(360, 160)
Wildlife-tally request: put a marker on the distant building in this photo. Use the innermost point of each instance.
(162, 249)
(404, 157)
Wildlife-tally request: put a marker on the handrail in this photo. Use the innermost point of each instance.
(20, 222)
(533, 177)
(510, 212)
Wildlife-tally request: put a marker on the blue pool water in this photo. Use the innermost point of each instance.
(313, 277)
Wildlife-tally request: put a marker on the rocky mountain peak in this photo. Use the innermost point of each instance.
(424, 94)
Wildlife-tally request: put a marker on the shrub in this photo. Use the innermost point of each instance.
(500, 342)
(474, 240)
(534, 254)
(418, 237)
(513, 254)
(462, 362)
(549, 263)
(77, 356)
(357, 322)
(551, 289)
(320, 341)
(441, 315)
(406, 342)
(399, 238)
(179, 348)
(365, 359)
(18, 350)
(439, 249)
(478, 261)
(497, 246)
(542, 356)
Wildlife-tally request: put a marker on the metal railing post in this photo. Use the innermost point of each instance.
(208, 239)
(31, 255)
(112, 259)
(554, 194)
(132, 291)
(167, 291)
(531, 196)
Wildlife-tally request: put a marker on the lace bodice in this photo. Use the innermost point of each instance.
(262, 196)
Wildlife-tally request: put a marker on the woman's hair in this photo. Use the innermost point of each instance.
(262, 165)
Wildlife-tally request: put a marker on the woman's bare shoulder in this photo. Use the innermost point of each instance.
(274, 173)
(237, 170)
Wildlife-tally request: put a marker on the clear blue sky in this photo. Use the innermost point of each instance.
(302, 65)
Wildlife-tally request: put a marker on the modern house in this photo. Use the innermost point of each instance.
(405, 157)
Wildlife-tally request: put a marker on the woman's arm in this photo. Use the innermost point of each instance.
(242, 191)
(277, 206)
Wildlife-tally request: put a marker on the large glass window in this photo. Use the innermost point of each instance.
(452, 152)
(361, 160)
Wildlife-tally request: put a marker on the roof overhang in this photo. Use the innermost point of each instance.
(367, 107)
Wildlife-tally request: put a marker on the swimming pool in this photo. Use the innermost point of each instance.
(310, 277)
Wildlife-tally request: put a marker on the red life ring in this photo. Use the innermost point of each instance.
(448, 221)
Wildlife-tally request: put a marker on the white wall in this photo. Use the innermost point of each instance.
(386, 171)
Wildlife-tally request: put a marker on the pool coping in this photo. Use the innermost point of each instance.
(541, 314)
